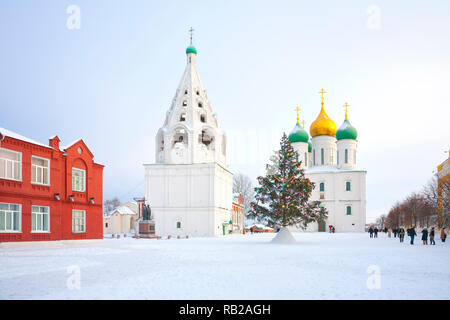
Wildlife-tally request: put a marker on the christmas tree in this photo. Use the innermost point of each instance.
(281, 200)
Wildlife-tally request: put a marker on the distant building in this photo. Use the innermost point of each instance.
(443, 192)
(237, 216)
(122, 219)
(48, 192)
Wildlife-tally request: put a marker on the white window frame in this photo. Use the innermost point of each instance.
(83, 220)
(40, 215)
(19, 229)
(36, 167)
(84, 180)
(14, 163)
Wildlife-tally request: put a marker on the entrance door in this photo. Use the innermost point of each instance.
(321, 226)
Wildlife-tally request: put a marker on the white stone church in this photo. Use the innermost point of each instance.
(330, 161)
(189, 188)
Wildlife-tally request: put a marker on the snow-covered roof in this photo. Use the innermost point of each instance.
(123, 210)
(70, 144)
(17, 136)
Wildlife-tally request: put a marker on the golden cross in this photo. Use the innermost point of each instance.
(322, 92)
(303, 123)
(191, 31)
(346, 105)
(298, 110)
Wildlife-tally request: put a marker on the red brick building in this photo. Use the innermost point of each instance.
(237, 217)
(48, 192)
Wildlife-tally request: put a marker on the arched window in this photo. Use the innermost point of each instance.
(203, 118)
(322, 156)
(346, 156)
(182, 117)
(185, 91)
(349, 210)
(198, 92)
(348, 186)
(322, 187)
(184, 103)
(178, 225)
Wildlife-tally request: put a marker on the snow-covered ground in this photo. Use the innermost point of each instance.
(318, 266)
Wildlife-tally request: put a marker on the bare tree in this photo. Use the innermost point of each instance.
(109, 205)
(243, 185)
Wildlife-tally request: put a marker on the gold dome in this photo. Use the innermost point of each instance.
(323, 125)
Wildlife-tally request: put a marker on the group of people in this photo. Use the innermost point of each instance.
(411, 232)
(331, 228)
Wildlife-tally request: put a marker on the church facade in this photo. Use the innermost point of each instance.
(330, 161)
(189, 187)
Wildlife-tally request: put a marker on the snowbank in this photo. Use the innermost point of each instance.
(284, 236)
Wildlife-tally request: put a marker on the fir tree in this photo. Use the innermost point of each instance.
(282, 198)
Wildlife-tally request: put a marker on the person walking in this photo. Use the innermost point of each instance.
(371, 232)
(443, 235)
(425, 235)
(395, 232)
(432, 237)
(401, 234)
(412, 234)
(333, 228)
(375, 232)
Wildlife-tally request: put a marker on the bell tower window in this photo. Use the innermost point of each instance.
(184, 103)
(203, 118)
(183, 117)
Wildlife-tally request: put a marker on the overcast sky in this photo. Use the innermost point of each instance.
(111, 81)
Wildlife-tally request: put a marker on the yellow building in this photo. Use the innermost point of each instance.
(443, 173)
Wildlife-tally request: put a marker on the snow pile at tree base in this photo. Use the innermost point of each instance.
(284, 236)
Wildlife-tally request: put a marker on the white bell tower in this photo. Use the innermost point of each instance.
(189, 188)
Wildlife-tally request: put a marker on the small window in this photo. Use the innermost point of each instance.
(183, 117)
(40, 219)
(198, 92)
(10, 215)
(338, 157)
(106, 224)
(347, 186)
(203, 118)
(178, 225)
(184, 103)
(314, 157)
(152, 227)
(346, 156)
(10, 164)
(322, 187)
(40, 170)
(349, 210)
(185, 91)
(322, 156)
(200, 105)
(78, 180)
(78, 221)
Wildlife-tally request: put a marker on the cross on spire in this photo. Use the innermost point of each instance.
(191, 31)
(322, 92)
(346, 105)
(303, 123)
(298, 117)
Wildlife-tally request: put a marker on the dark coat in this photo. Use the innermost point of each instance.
(424, 234)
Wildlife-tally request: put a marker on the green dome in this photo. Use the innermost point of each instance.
(309, 146)
(346, 131)
(298, 135)
(191, 49)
